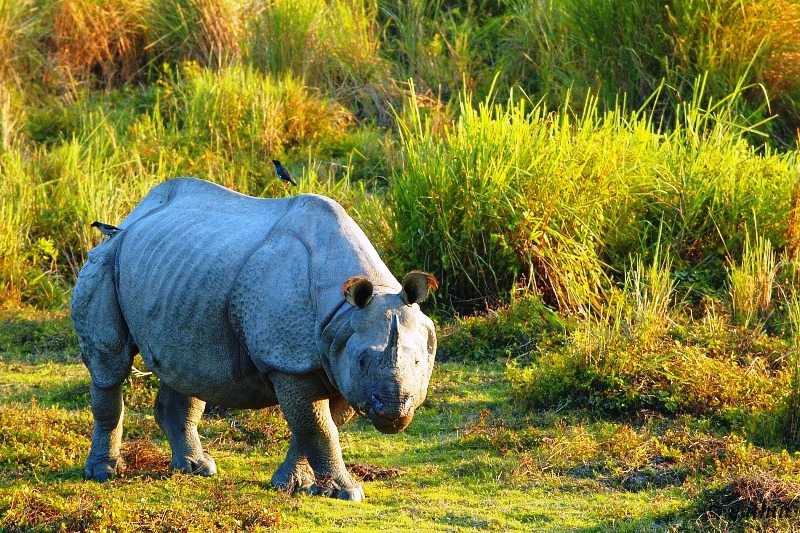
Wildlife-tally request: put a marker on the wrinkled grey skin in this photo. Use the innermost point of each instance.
(238, 301)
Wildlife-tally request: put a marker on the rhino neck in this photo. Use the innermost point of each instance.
(338, 250)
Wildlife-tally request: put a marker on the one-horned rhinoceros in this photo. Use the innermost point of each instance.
(248, 302)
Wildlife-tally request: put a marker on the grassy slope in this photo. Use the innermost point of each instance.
(452, 477)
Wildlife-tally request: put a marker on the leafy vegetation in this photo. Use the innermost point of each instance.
(607, 191)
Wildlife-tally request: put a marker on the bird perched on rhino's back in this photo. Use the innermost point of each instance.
(282, 173)
(106, 229)
(248, 302)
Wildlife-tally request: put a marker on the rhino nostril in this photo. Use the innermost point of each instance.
(377, 404)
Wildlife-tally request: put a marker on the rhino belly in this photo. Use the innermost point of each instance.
(212, 374)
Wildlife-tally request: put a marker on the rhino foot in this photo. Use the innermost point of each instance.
(353, 494)
(102, 469)
(293, 477)
(202, 466)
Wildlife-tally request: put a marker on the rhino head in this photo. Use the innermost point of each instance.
(384, 367)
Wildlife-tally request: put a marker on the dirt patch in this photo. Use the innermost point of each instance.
(373, 473)
(758, 495)
(142, 456)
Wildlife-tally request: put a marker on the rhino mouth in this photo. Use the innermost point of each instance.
(386, 424)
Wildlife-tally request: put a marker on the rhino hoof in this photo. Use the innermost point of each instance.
(353, 494)
(204, 466)
(102, 470)
(294, 478)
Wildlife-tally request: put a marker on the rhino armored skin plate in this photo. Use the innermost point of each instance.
(250, 302)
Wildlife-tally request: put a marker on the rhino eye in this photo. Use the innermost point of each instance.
(362, 361)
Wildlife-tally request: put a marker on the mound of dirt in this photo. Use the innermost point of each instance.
(373, 473)
(758, 495)
(141, 455)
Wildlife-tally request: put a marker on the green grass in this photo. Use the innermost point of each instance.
(470, 460)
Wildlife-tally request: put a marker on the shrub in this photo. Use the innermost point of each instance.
(518, 330)
(791, 426)
(756, 494)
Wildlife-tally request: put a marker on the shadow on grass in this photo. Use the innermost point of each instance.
(72, 395)
(38, 341)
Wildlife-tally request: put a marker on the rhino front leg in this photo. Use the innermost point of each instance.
(314, 436)
(178, 415)
(294, 474)
(108, 410)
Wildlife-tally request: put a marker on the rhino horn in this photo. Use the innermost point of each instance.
(390, 352)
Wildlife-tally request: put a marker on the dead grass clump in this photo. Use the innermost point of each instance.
(366, 472)
(757, 495)
(142, 456)
(102, 39)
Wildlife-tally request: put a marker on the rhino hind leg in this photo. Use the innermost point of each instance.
(178, 415)
(314, 437)
(108, 411)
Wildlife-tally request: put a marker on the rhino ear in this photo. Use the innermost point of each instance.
(417, 286)
(357, 291)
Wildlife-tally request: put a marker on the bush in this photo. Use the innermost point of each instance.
(510, 194)
(516, 331)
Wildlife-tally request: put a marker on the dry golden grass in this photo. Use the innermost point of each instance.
(104, 39)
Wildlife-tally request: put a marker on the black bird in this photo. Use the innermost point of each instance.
(106, 229)
(282, 173)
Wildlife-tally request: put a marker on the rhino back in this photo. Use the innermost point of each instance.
(176, 265)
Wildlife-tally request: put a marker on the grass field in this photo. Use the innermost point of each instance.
(607, 190)
(471, 460)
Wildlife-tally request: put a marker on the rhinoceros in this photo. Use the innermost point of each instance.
(249, 302)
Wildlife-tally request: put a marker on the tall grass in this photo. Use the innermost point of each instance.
(206, 31)
(99, 40)
(223, 125)
(332, 45)
(752, 282)
(792, 430)
(559, 200)
(624, 49)
(22, 32)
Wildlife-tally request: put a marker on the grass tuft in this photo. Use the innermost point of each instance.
(752, 283)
